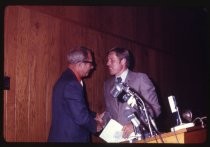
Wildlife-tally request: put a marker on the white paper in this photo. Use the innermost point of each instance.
(112, 133)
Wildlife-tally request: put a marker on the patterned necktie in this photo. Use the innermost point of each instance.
(118, 80)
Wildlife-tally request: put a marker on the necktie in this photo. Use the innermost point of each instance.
(118, 80)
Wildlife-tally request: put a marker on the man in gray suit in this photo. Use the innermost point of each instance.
(118, 62)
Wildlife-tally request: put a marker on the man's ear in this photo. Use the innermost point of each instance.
(79, 65)
(123, 61)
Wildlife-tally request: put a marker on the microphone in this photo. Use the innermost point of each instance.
(134, 120)
(123, 93)
(131, 116)
(116, 90)
(172, 103)
(136, 123)
(175, 115)
(174, 110)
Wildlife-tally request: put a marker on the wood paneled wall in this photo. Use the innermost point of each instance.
(33, 62)
(36, 40)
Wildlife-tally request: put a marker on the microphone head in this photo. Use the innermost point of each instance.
(131, 116)
(116, 90)
(187, 115)
(172, 103)
(128, 112)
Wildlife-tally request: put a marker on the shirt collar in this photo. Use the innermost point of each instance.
(81, 82)
(123, 75)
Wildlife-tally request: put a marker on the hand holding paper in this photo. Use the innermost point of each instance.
(113, 133)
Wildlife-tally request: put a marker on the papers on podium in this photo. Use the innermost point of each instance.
(182, 126)
(112, 133)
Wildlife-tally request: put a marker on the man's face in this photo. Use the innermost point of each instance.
(115, 65)
(87, 66)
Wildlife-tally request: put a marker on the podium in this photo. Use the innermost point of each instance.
(183, 136)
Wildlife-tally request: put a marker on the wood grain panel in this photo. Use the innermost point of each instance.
(53, 68)
(37, 67)
(38, 77)
(10, 48)
(22, 73)
(45, 61)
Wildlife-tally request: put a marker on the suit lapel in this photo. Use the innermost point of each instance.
(128, 79)
(113, 100)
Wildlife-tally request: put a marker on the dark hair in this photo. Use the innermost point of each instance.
(78, 54)
(122, 53)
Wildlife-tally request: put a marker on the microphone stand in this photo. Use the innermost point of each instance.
(137, 132)
(149, 120)
(141, 105)
(135, 99)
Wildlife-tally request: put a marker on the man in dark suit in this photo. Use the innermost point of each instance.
(118, 62)
(72, 121)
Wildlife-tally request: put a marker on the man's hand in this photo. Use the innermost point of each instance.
(99, 121)
(127, 130)
(99, 117)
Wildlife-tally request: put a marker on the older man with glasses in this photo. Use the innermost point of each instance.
(72, 121)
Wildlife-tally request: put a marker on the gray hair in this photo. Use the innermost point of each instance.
(78, 55)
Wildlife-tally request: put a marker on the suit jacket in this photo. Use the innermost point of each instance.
(141, 84)
(71, 119)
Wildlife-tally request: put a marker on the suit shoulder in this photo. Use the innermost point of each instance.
(137, 74)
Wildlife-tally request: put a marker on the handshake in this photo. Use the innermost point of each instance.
(126, 130)
(99, 121)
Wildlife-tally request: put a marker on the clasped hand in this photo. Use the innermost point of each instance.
(99, 121)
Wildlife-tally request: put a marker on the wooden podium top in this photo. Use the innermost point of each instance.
(188, 135)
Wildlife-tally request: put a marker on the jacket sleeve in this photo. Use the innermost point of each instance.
(147, 91)
(77, 108)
